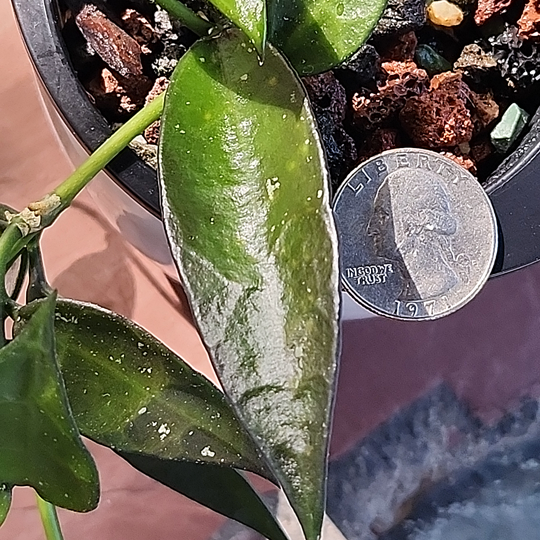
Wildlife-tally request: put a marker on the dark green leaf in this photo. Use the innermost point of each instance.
(222, 489)
(316, 35)
(40, 445)
(131, 393)
(5, 502)
(246, 207)
(249, 16)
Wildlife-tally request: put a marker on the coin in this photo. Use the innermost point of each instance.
(417, 235)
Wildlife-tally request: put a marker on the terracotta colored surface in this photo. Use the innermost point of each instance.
(489, 352)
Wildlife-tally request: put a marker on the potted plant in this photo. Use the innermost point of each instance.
(511, 186)
(265, 295)
(213, 61)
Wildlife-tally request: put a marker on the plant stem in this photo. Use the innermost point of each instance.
(72, 186)
(187, 17)
(20, 232)
(49, 518)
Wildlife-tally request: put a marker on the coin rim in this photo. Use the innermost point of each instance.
(484, 277)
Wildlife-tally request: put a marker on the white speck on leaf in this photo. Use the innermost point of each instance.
(163, 431)
(207, 452)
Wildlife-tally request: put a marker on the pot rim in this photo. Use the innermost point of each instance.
(513, 189)
(51, 62)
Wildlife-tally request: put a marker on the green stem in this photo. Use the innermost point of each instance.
(38, 287)
(49, 518)
(186, 16)
(71, 187)
(20, 233)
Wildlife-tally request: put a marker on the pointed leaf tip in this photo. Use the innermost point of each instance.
(130, 392)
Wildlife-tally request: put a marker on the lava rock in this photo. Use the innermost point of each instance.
(379, 141)
(138, 27)
(362, 69)
(116, 96)
(529, 23)
(401, 48)
(487, 9)
(485, 110)
(400, 17)
(403, 81)
(339, 147)
(439, 118)
(518, 65)
(327, 94)
(329, 102)
(463, 160)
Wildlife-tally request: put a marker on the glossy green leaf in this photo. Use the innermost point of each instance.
(316, 35)
(40, 445)
(249, 16)
(131, 393)
(5, 502)
(246, 208)
(222, 489)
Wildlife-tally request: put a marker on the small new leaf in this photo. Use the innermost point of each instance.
(40, 445)
(317, 35)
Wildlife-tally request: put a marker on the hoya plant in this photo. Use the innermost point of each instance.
(245, 199)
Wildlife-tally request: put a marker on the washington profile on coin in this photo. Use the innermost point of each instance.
(417, 234)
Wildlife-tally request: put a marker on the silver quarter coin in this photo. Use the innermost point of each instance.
(418, 235)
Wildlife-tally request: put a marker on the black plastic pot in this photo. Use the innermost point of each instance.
(514, 188)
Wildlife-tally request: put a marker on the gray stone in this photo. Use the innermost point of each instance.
(509, 128)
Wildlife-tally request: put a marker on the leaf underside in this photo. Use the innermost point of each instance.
(317, 35)
(221, 489)
(246, 208)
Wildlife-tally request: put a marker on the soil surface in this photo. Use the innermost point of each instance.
(439, 76)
